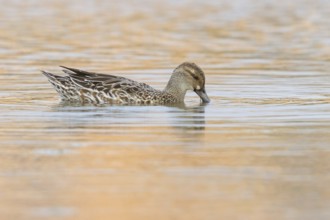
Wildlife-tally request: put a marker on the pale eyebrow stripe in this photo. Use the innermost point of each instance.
(192, 72)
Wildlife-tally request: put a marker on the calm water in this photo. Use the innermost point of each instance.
(259, 150)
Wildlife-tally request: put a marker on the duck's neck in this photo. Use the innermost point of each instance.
(176, 86)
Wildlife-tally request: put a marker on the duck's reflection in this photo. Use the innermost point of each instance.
(188, 123)
(189, 117)
(185, 122)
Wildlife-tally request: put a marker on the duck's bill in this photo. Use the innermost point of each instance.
(202, 94)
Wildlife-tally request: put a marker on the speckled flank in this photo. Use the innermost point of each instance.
(88, 87)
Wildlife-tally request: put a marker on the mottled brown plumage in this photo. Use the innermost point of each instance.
(88, 87)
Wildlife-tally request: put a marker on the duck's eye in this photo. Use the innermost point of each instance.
(195, 77)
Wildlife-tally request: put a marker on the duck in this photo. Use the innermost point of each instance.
(80, 86)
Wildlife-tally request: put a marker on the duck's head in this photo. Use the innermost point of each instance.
(194, 79)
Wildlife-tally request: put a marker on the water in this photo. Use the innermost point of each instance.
(259, 150)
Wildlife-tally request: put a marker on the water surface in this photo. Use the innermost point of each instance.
(259, 150)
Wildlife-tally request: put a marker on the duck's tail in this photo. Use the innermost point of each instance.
(63, 86)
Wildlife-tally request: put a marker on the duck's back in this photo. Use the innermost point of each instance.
(88, 87)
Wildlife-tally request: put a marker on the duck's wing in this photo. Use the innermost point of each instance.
(101, 82)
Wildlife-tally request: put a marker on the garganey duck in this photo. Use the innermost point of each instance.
(96, 88)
